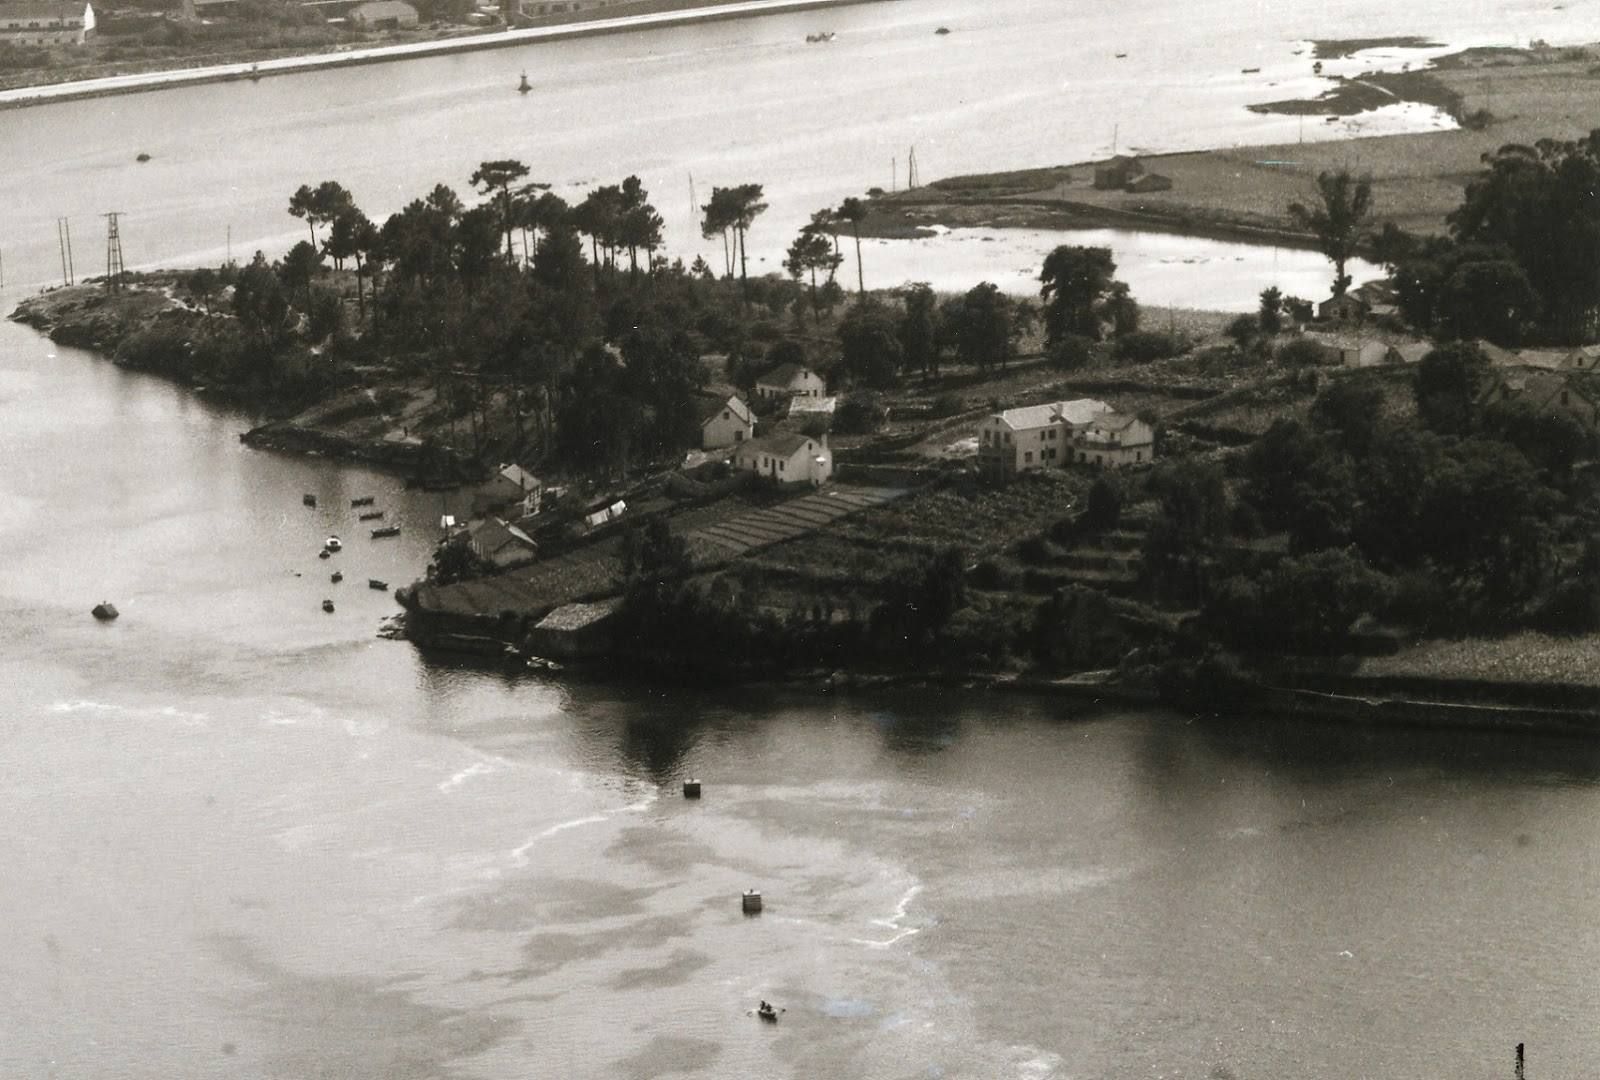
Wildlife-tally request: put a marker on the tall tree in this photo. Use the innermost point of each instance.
(1337, 223)
(855, 211)
(720, 215)
(498, 176)
(918, 335)
(747, 205)
(352, 236)
(1075, 280)
(984, 336)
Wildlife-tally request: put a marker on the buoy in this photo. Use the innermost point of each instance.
(691, 789)
(105, 611)
(752, 902)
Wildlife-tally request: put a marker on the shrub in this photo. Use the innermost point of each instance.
(1146, 345)
(1300, 352)
(860, 414)
(1105, 504)
(816, 425)
(1244, 329)
(1071, 351)
(947, 404)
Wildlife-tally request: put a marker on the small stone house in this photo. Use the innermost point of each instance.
(1032, 437)
(511, 487)
(790, 381)
(1342, 308)
(1117, 173)
(1352, 352)
(1114, 439)
(496, 541)
(788, 459)
(724, 421)
(384, 15)
(1547, 392)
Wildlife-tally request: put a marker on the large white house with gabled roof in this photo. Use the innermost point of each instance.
(1033, 437)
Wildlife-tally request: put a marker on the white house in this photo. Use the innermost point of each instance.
(790, 381)
(788, 458)
(1113, 439)
(45, 22)
(1033, 437)
(724, 421)
(501, 543)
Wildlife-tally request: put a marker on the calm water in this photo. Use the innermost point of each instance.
(1016, 83)
(246, 839)
(243, 838)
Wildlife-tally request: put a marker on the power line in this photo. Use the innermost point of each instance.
(115, 270)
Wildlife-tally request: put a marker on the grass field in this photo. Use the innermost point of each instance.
(1417, 179)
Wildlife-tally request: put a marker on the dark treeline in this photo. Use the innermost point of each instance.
(557, 333)
(1521, 262)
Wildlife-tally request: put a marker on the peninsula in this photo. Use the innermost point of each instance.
(702, 472)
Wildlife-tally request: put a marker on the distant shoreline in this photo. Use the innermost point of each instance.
(702, 11)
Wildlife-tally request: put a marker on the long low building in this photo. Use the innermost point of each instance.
(45, 22)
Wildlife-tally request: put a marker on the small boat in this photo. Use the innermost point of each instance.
(365, 500)
(333, 543)
(1316, 69)
(524, 86)
(387, 530)
(308, 499)
(767, 1013)
(327, 605)
(105, 611)
(338, 576)
(826, 35)
(1249, 71)
(942, 31)
(142, 157)
(324, 554)
(372, 515)
(374, 583)
(1122, 56)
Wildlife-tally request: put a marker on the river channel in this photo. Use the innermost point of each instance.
(1016, 83)
(243, 838)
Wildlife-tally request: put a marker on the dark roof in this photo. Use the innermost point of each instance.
(784, 374)
(707, 406)
(783, 444)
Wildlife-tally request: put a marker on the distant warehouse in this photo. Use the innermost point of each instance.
(384, 15)
(58, 22)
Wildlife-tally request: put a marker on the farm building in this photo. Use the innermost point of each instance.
(1033, 437)
(1114, 439)
(788, 459)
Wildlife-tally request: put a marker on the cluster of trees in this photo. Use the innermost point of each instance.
(1461, 518)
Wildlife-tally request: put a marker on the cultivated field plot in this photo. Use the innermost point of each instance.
(980, 519)
(761, 528)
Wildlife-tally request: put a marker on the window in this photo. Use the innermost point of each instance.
(1008, 438)
(738, 436)
(1563, 397)
(780, 466)
(1027, 457)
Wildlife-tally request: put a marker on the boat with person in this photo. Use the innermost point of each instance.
(374, 583)
(815, 39)
(524, 86)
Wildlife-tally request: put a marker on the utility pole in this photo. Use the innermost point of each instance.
(894, 174)
(64, 243)
(115, 270)
(911, 170)
(230, 245)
